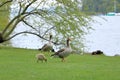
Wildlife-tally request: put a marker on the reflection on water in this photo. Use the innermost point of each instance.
(105, 37)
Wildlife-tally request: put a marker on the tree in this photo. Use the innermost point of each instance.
(62, 17)
(100, 6)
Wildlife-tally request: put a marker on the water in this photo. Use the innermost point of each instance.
(28, 41)
(105, 37)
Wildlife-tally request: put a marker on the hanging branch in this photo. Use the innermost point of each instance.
(32, 34)
(48, 30)
(25, 22)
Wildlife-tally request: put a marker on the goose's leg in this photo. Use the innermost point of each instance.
(63, 60)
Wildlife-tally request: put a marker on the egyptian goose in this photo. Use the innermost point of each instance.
(48, 46)
(62, 53)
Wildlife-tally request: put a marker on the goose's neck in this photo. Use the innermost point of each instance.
(50, 38)
(68, 43)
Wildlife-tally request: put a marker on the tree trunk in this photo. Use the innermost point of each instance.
(1, 38)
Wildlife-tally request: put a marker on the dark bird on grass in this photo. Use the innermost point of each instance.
(48, 46)
(98, 52)
(62, 53)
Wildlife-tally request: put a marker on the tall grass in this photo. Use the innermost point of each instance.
(20, 64)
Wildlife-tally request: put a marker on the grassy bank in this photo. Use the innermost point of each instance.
(20, 64)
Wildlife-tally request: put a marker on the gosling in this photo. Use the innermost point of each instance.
(41, 57)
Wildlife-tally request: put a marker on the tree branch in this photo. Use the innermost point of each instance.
(2, 4)
(47, 31)
(20, 8)
(30, 25)
(8, 25)
(16, 20)
(32, 34)
(18, 16)
(28, 6)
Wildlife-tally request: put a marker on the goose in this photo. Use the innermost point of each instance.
(62, 53)
(41, 57)
(98, 52)
(48, 46)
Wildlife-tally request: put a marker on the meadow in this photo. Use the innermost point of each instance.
(20, 64)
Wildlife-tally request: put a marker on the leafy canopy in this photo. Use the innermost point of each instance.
(62, 18)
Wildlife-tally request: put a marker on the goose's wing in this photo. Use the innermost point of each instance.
(60, 51)
(44, 47)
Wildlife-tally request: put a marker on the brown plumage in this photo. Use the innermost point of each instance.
(48, 46)
(62, 53)
(41, 57)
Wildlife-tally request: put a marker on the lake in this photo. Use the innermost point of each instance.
(105, 36)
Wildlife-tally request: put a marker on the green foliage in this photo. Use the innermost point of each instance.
(20, 64)
(69, 21)
(61, 17)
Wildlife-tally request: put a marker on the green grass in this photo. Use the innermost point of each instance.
(20, 64)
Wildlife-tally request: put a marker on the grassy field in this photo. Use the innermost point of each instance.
(20, 64)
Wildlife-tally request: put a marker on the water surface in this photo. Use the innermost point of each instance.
(106, 35)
